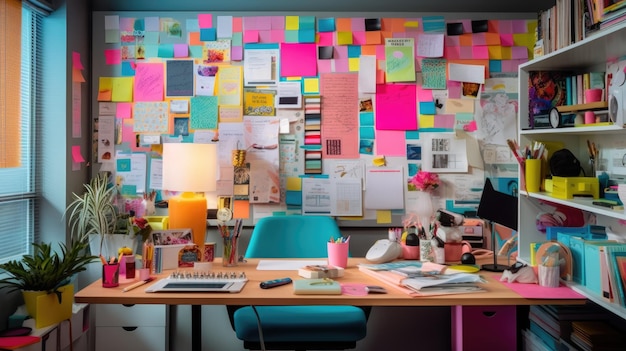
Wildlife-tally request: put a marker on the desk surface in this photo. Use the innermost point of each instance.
(497, 293)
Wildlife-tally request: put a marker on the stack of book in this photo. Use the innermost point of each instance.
(597, 335)
(312, 135)
(423, 279)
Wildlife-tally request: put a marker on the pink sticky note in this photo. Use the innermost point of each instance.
(340, 52)
(236, 53)
(505, 27)
(265, 36)
(519, 26)
(480, 52)
(358, 38)
(76, 155)
(113, 56)
(506, 39)
(466, 52)
(237, 24)
(479, 39)
(396, 107)
(181, 50)
(278, 36)
(149, 78)
(324, 66)
(424, 95)
(251, 36)
(358, 24)
(444, 121)
(452, 52)
(127, 24)
(467, 26)
(390, 142)
(380, 52)
(124, 110)
(205, 20)
(470, 127)
(454, 89)
(76, 64)
(278, 22)
(342, 65)
(519, 52)
(453, 40)
(325, 38)
(298, 60)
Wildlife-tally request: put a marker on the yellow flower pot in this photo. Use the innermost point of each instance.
(46, 309)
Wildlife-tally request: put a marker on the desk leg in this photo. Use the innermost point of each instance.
(196, 327)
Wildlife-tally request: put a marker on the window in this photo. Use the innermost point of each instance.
(19, 57)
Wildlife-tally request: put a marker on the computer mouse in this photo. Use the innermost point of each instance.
(468, 258)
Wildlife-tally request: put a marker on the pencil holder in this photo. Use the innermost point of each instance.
(230, 252)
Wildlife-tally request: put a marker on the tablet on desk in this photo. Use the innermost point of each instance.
(197, 285)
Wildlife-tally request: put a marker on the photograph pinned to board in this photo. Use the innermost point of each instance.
(444, 152)
(172, 237)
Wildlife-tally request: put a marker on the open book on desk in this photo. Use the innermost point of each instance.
(427, 284)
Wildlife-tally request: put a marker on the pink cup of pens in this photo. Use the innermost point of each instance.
(110, 275)
(338, 252)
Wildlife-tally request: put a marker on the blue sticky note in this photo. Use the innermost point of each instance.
(306, 22)
(166, 50)
(292, 36)
(139, 25)
(306, 36)
(123, 165)
(495, 66)
(195, 51)
(326, 25)
(293, 198)
(153, 50)
(434, 24)
(366, 118)
(127, 69)
(412, 135)
(192, 25)
(151, 38)
(354, 51)
(427, 108)
(208, 34)
(366, 132)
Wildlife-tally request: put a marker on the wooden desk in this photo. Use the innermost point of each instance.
(497, 294)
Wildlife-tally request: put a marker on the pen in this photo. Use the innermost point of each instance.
(137, 284)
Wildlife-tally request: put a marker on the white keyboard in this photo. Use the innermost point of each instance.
(191, 281)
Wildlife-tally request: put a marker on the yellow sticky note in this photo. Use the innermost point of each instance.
(344, 38)
(353, 64)
(122, 89)
(495, 52)
(379, 161)
(292, 22)
(293, 78)
(294, 183)
(411, 24)
(311, 85)
(383, 216)
(427, 121)
(507, 52)
(105, 87)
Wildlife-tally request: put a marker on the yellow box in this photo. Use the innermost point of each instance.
(158, 222)
(567, 187)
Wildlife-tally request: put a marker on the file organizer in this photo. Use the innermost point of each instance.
(312, 135)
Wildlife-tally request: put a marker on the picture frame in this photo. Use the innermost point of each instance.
(172, 237)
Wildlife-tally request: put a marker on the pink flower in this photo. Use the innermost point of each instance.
(424, 181)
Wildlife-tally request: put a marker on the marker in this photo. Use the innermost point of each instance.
(137, 284)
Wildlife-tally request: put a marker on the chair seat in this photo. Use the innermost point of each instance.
(301, 323)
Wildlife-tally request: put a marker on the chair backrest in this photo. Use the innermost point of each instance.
(292, 237)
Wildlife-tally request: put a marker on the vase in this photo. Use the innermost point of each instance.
(108, 245)
(424, 208)
(48, 309)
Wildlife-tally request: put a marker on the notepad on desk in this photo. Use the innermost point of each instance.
(323, 286)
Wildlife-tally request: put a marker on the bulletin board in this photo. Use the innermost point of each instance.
(321, 102)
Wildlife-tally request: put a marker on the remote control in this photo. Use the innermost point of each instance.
(274, 283)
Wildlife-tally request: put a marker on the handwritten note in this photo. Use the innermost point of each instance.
(340, 120)
(149, 82)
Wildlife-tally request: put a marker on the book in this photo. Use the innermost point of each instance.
(320, 271)
(616, 265)
(323, 286)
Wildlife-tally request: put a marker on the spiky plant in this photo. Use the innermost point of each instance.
(46, 269)
(94, 212)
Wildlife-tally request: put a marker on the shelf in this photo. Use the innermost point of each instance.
(603, 46)
(587, 129)
(583, 107)
(613, 307)
(579, 203)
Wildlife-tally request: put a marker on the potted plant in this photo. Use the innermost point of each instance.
(45, 279)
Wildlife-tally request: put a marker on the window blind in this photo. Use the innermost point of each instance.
(19, 90)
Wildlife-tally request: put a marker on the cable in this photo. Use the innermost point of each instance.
(258, 323)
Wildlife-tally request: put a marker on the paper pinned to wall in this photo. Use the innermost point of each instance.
(443, 152)
(384, 188)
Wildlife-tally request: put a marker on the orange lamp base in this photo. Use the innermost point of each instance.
(189, 210)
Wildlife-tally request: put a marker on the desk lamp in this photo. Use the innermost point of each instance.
(501, 208)
(191, 169)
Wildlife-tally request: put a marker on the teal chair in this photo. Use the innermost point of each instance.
(297, 327)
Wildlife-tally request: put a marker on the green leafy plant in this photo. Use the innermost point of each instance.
(46, 269)
(94, 212)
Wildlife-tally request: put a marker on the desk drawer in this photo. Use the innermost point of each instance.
(484, 328)
(131, 315)
(131, 339)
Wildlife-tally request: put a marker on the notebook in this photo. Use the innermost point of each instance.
(324, 286)
(219, 285)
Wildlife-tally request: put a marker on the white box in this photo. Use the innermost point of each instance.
(169, 255)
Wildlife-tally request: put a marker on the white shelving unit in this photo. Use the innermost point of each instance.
(591, 54)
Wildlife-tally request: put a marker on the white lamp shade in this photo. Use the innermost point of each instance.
(189, 167)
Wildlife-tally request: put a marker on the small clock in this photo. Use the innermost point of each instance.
(555, 118)
(224, 214)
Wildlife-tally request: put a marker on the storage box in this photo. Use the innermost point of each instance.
(588, 232)
(166, 256)
(593, 277)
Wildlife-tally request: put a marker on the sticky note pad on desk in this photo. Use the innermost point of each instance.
(323, 286)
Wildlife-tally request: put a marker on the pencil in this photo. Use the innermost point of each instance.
(137, 284)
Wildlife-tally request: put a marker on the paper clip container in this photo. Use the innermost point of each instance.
(532, 169)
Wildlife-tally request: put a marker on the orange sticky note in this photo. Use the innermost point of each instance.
(241, 209)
